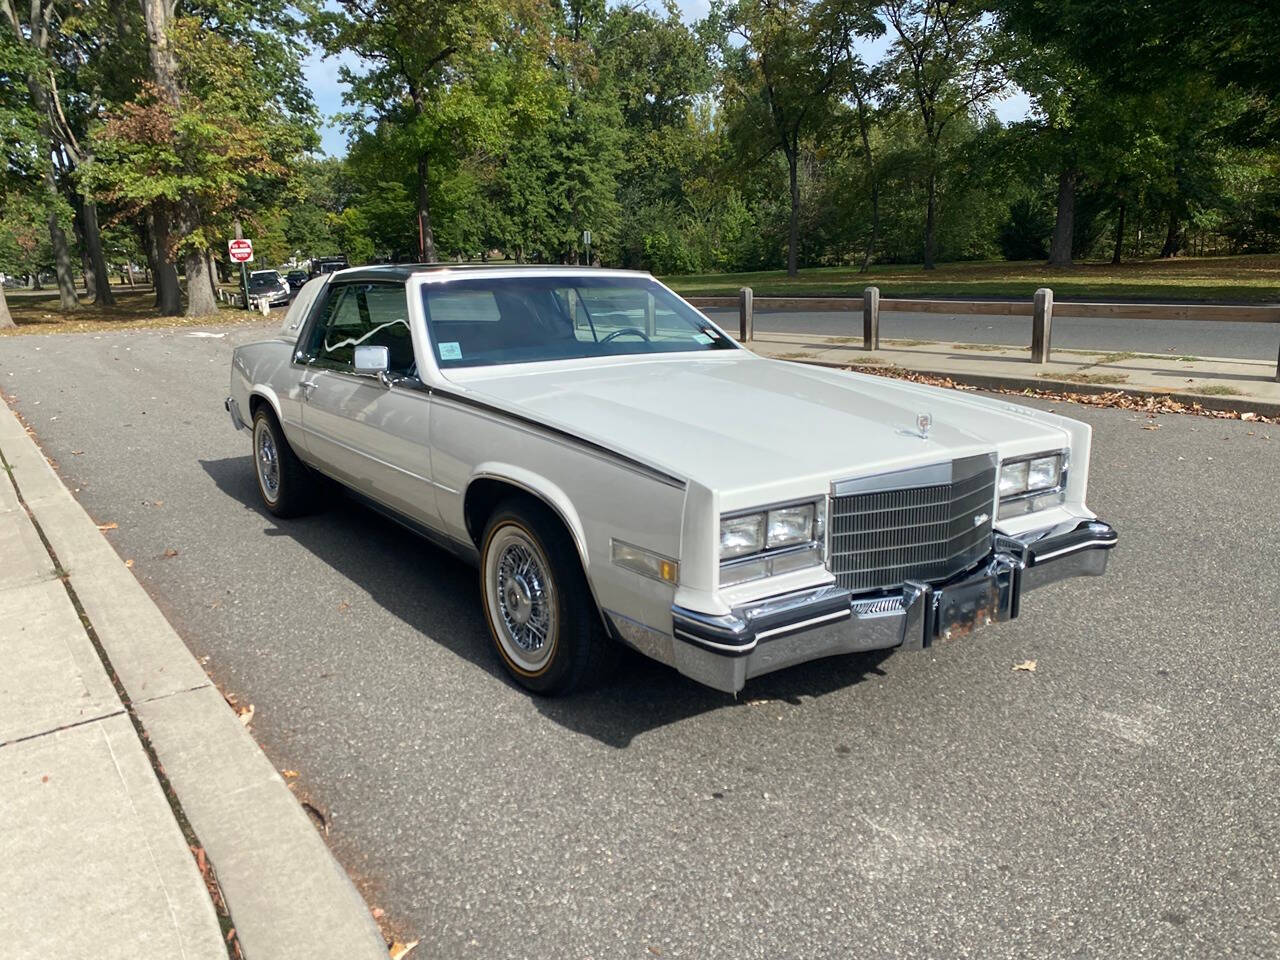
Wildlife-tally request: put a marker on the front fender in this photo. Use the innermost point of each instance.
(540, 487)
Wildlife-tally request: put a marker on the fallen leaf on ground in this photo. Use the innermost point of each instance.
(104, 527)
(1028, 665)
(758, 702)
(128, 563)
(246, 714)
(343, 607)
(378, 913)
(171, 552)
(400, 950)
(76, 453)
(288, 773)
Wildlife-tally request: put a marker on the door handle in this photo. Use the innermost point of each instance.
(307, 386)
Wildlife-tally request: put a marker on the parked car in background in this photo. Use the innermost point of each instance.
(268, 285)
(621, 471)
(323, 265)
(296, 279)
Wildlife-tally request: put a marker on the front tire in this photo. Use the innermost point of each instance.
(542, 618)
(284, 482)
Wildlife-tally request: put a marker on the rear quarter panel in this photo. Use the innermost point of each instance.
(266, 369)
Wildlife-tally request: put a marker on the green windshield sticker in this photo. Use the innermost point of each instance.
(450, 351)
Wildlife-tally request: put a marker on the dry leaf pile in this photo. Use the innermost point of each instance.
(1141, 403)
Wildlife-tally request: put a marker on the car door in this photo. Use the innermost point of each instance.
(366, 433)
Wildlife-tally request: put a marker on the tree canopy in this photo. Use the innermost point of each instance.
(769, 133)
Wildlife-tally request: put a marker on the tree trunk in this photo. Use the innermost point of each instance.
(213, 273)
(93, 246)
(6, 318)
(86, 268)
(61, 256)
(870, 251)
(200, 300)
(164, 65)
(426, 239)
(793, 241)
(1064, 226)
(164, 273)
(1171, 239)
(931, 221)
(1118, 253)
(874, 178)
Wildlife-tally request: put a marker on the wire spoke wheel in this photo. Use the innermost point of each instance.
(267, 461)
(521, 595)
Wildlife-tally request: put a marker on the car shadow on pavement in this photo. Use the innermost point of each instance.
(437, 595)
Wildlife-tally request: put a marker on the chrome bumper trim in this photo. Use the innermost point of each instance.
(724, 651)
(233, 408)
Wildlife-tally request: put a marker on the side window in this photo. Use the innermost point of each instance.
(372, 314)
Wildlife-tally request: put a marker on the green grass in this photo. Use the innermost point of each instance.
(1094, 378)
(1216, 390)
(1248, 279)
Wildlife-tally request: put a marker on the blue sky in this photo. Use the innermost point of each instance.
(328, 90)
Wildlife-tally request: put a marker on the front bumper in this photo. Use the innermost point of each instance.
(757, 638)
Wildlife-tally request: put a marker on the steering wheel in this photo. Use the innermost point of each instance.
(617, 333)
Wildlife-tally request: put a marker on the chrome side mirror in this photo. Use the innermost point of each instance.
(373, 361)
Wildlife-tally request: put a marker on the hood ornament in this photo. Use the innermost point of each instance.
(924, 423)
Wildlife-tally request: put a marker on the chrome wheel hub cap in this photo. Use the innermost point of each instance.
(519, 600)
(521, 597)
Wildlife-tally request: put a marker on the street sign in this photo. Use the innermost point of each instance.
(586, 238)
(240, 251)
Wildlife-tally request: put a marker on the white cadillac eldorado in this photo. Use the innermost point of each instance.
(621, 471)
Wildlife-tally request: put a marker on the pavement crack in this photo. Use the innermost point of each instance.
(65, 726)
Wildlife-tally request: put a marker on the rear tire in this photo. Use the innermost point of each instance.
(285, 484)
(541, 615)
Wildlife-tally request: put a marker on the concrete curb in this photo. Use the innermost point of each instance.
(287, 895)
(1263, 408)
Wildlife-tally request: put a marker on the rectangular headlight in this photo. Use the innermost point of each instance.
(742, 535)
(1013, 478)
(1031, 484)
(788, 526)
(1044, 473)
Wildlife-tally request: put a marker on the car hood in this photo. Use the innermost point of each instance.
(745, 423)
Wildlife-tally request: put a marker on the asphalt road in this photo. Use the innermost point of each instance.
(1245, 341)
(1123, 800)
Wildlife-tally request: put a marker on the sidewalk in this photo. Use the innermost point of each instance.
(1216, 384)
(97, 860)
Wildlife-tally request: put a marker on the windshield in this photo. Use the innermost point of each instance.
(260, 281)
(522, 319)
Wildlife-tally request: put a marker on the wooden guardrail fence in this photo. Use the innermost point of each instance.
(1040, 309)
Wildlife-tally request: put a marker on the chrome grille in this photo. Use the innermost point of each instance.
(922, 524)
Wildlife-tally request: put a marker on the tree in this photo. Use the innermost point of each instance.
(208, 141)
(784, 79)
(34, 32)
(863, 84)
(946, 63)
(414, 49)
